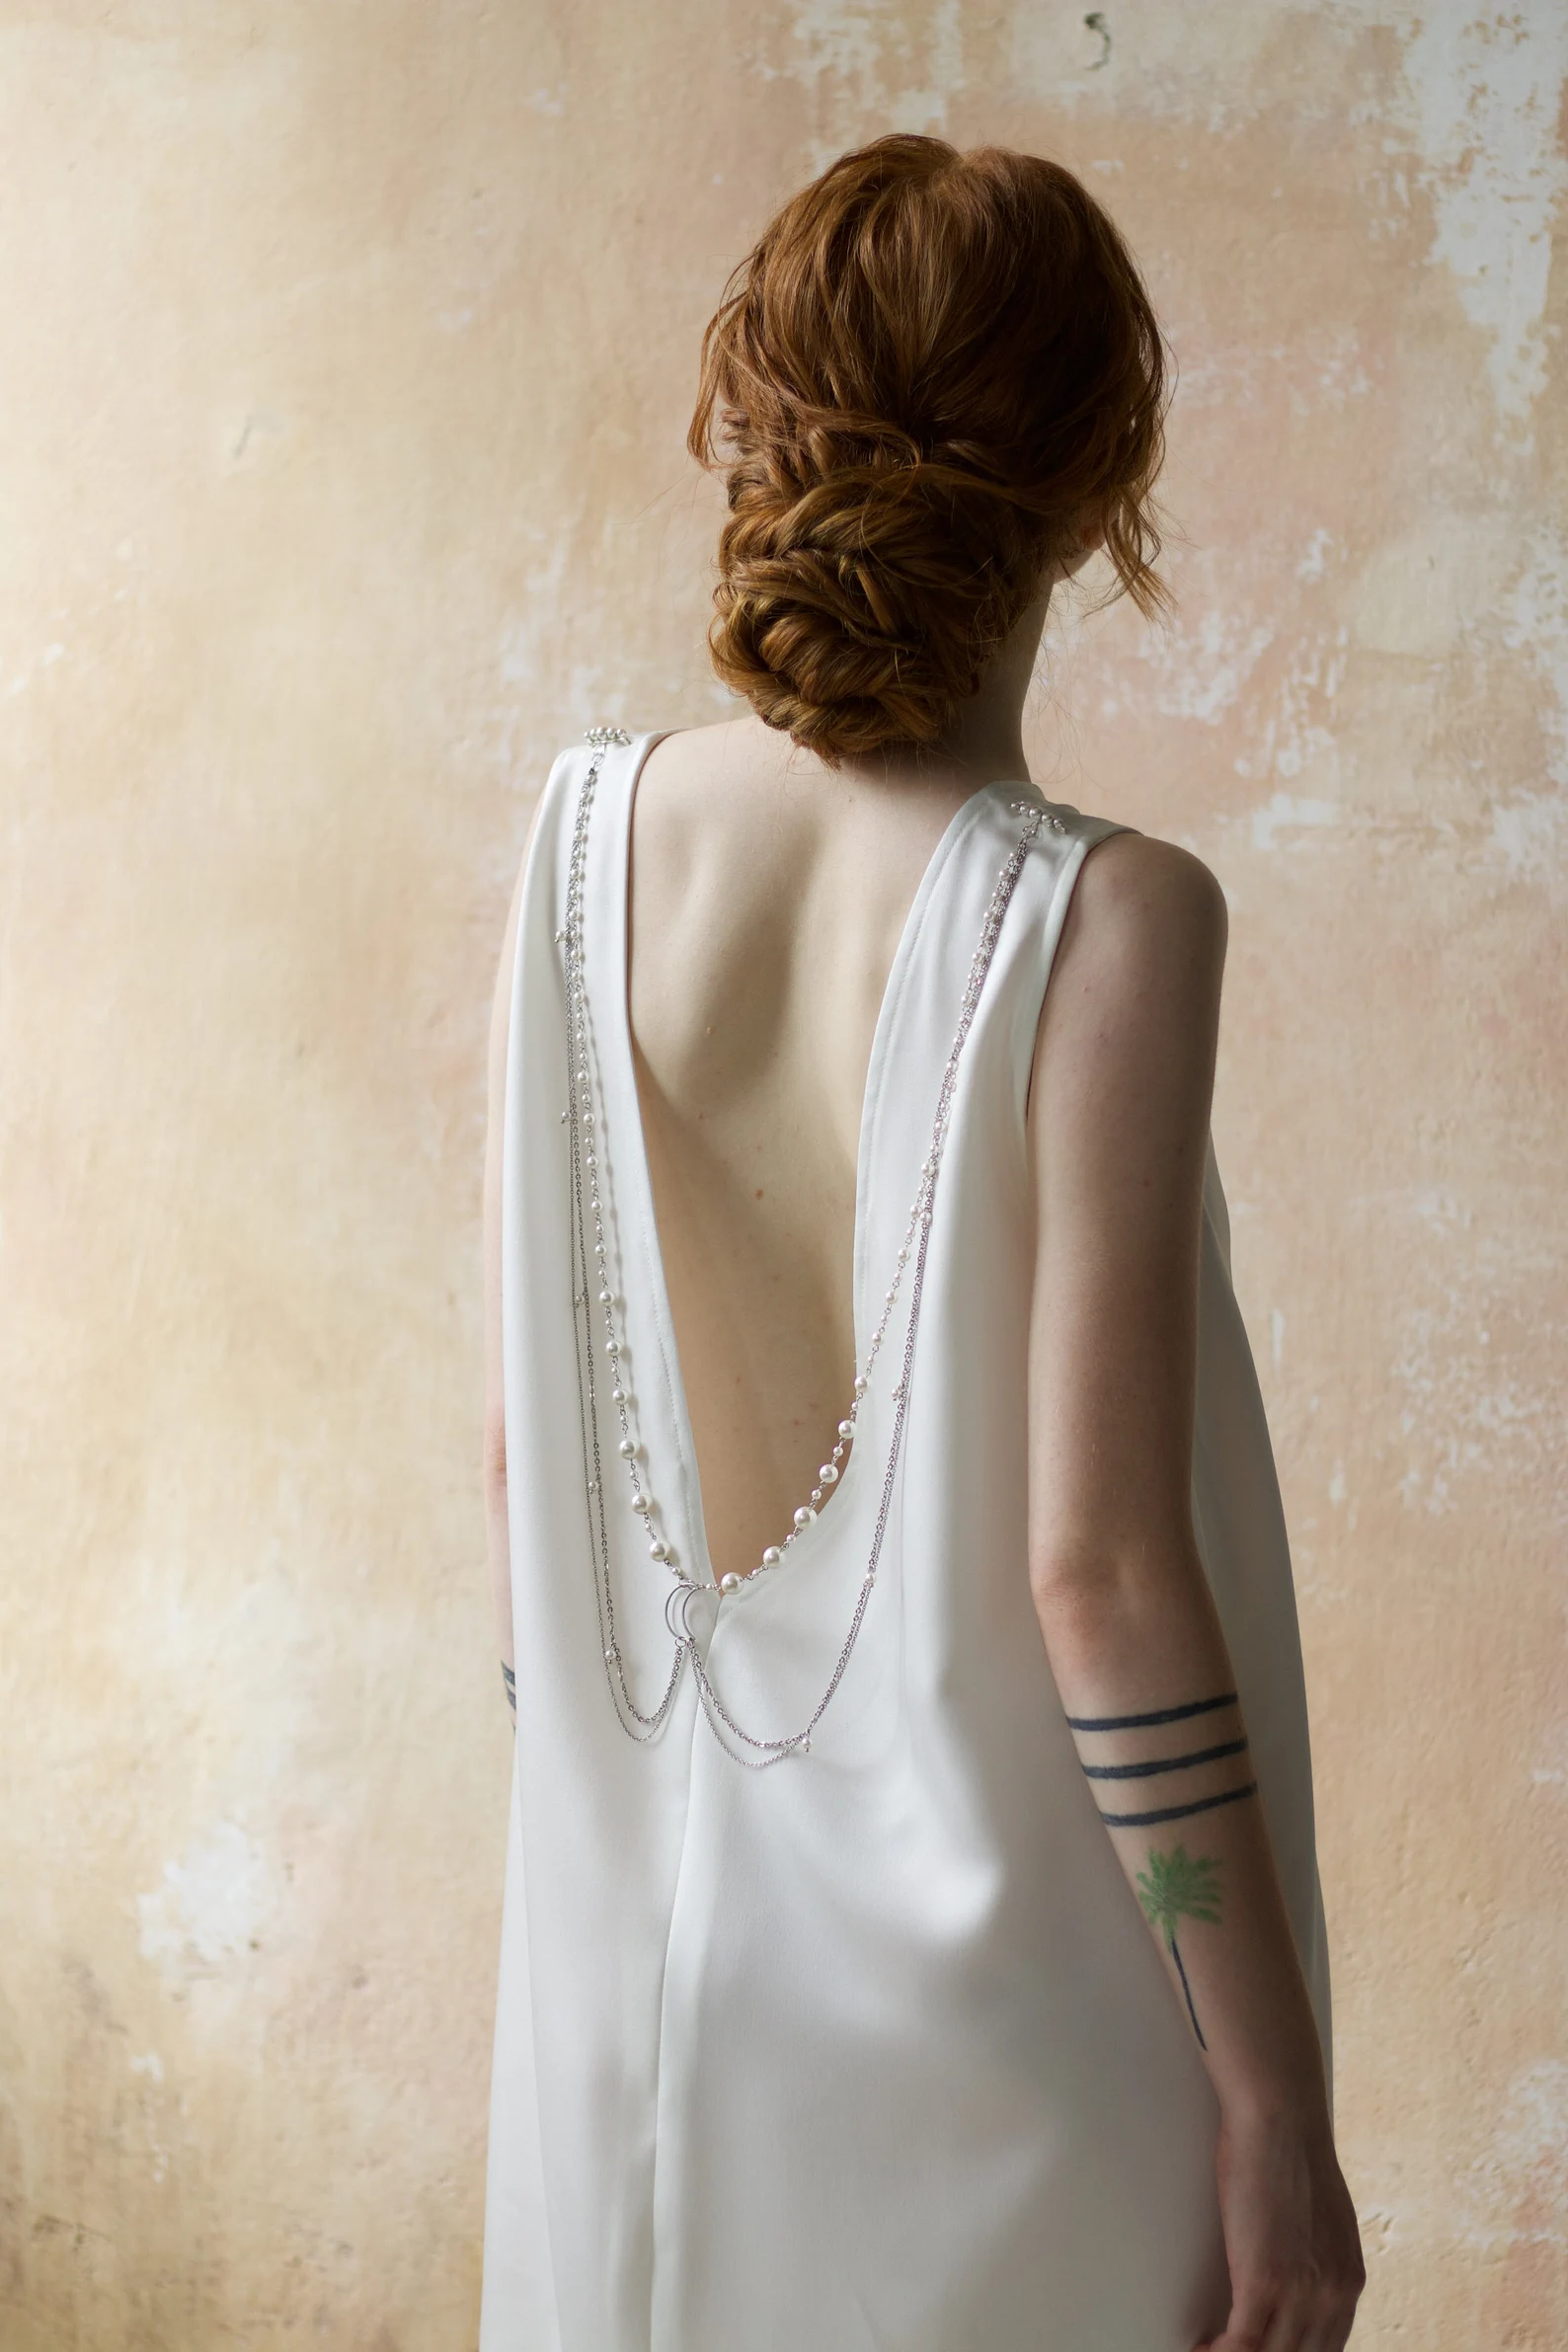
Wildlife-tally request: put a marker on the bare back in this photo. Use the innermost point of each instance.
(768, 893)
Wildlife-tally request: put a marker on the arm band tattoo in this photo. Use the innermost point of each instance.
(508, 1682)
(1148, 1821)
(1198, 1706)
(1163, 1763)
(1153, 1766)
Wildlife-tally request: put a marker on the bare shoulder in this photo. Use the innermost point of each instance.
(1147, 922)
(1141, 898)
(1132, 1009)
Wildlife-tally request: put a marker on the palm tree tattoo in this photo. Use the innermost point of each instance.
(1175, 1887)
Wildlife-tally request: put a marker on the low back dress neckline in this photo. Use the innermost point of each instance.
(873, 2048)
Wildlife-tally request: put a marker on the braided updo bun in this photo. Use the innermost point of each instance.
(934, 374)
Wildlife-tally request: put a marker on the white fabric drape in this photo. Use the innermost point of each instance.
(871, 2050)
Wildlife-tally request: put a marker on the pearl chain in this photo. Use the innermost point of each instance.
(584, 1139)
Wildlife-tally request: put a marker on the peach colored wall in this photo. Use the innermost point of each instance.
(347, 353)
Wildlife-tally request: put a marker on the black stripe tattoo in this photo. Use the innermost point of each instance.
(1165, 1763)
(1197, 1707)
(509, 1683)
(1148, 1821)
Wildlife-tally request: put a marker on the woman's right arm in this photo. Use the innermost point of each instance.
(1118, 1125)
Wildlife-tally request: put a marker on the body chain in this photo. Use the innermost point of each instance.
(589, 1267)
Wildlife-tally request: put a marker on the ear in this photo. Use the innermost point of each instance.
(1072, 560)
(1091, 535)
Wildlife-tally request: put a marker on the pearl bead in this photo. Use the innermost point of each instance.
(828, 1475)
(591, 1160)
(846, 1428)
(606, 1298)
(730, 1583)
(613, 1657)
(628, 1447)
(860, 1388)
(817, 1496)
(804, 1515)
(618, 1396)
(659, 1549)
(772, 1556)
(560, 939)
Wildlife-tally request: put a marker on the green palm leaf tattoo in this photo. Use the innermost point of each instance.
(1176, 1886)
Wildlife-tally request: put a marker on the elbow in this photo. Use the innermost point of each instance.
(1070, 1588)
(1086, 1591)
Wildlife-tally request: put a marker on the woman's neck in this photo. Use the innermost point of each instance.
(986, 742)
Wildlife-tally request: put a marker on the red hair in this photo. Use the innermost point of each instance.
(931, 375)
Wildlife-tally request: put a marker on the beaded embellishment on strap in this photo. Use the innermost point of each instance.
(594, 1285)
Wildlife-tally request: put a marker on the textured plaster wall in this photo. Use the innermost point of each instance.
(347, 351)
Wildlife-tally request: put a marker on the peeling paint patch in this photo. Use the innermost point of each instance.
(839, 43)
(1486, 88)
(1465, 1416)
(210, 1907)
(1200, 673)
(1530, 830)
(1529, 2152)
(1314, 562)
(1296, 741)
(1535, 623)
(873, 58)
(1285, 814)
(1531, 835)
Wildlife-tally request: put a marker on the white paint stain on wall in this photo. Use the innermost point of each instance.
(1314, 562)
(1531, 835)
(1297, 742)
(1529, 2147)
(1467, 1418)
(1201, 669)
(1285, 814)
(210, 1907)
(1529, 831)
(881, 60)
(1485, 91)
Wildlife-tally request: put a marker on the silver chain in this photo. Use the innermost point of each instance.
(591, 1264)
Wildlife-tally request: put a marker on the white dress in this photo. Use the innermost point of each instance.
(871, 2051)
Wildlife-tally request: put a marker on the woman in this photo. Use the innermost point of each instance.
(913, 1936)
